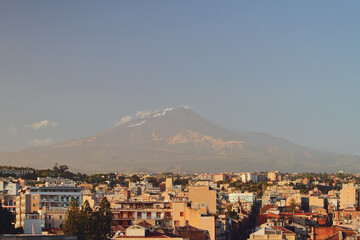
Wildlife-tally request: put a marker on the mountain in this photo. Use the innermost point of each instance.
(178, 139)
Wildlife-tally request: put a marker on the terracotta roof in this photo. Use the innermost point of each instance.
(189, 228)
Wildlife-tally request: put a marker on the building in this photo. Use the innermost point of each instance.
(273, 176)
(349, 196)
(138, 232)
(317, 202)
(247, 177)
(204, 196)
(43, 200)
(157, 213)
(10, 188)
(222, 177)
(169, 184)
(272, 232)
(346, 216)
(237, 196)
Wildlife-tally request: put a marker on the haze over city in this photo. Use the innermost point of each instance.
(69, 69)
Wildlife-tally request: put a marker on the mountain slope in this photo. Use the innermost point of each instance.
(179, 139)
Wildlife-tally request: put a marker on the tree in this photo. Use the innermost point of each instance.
(87, 224)
(292, 205)
(104, 218)
(153, 181)
(135, 178)
(72, 221)
(5, 220)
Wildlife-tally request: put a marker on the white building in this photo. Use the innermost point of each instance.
(247, 177)
(238, 196)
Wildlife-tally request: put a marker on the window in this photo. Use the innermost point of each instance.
(176, 223)
(49, 217)
(34, 197)
(60, 217)
(181, 214)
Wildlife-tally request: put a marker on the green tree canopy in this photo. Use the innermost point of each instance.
(86, 223)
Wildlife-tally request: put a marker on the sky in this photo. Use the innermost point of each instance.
(71, 69)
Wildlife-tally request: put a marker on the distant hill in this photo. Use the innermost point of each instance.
(180, 140)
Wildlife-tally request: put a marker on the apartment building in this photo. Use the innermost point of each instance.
(346, 216)
(273, 176)
(8, 192)
(128, 212)
(237, 196)
(169, 182)
(222, 177)
(349, 196)
(247, 177)
(43, 200)
(204, 196)
(10, 188)
(317, 202)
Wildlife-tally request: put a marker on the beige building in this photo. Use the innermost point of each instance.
(349, 196)
(169, 184)
(204, 196)
(273, 176)
(272, 232)
(222, 177)
(184, 215)
(317, 202)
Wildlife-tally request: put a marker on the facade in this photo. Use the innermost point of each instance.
(346, 216)
(10, 188)
(275, 233)
(317, 202)
(273, 176)
(247, 177)
(169, 184)
(43, 200)
(237, 196)
(222, 177)
(128, 212)
(204, 196)
(349, 196)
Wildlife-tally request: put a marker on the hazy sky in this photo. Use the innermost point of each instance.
(70, 69)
